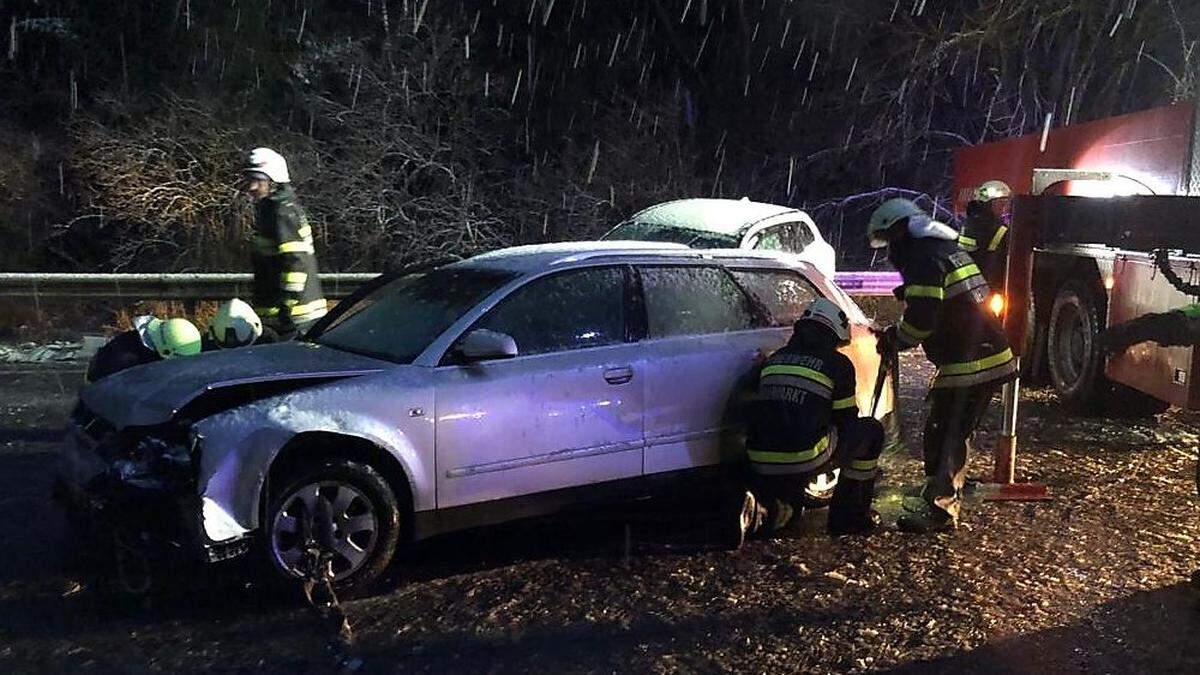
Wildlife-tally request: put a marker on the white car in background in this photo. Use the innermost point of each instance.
(730, 223)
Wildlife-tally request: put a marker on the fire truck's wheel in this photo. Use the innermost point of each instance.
(347, 509)
(1075, 360)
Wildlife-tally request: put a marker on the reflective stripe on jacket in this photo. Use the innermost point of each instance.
(945, 311)
(287, 286)
(804, 391)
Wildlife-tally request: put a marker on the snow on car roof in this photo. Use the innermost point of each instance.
(534, 256)
(722, 216)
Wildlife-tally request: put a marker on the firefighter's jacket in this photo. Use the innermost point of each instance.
(985, 237)
(287, 287)
(125, 350)
(805, 390)
(945, 310)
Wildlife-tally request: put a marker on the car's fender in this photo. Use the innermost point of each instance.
(238, 446)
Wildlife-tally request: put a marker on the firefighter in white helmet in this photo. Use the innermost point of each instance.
(804, 422)
(287, 287)
(945, 311)
(235, 324)
(985, 233)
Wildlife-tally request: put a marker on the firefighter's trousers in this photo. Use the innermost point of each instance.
(954, 413)
(856, 448)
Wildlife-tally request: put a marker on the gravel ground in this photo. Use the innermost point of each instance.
(1094, 581)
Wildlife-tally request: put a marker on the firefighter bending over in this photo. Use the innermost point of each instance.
(944, 295)
(287, 287)
(804, 422)
(984, 234)
(151, 339)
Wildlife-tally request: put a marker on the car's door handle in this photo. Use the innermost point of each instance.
(618, 375)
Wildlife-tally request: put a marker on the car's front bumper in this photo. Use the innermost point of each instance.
(159, 518)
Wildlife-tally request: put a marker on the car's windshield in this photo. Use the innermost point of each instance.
(399, 320)
(672, 234)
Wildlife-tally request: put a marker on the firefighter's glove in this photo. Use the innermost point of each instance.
(887, 341)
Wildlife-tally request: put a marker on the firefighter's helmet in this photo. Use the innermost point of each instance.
(235, 325)
(170, 338)
(825, 312)
(888, 214)
(269, 163)
(992, 189)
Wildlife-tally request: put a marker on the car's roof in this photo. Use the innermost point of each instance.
(539, 257)
(719, 216)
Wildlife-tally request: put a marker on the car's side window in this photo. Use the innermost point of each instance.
(693, 301)
(781, 293)
(770, 240)
(571, 310)
(795, 236)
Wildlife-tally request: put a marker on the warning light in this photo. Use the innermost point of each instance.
(996, 304)
(1108, 283)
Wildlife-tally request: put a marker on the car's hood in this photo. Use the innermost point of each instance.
(155, 392)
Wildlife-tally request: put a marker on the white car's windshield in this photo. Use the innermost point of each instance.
(672, 234)
(398, 320)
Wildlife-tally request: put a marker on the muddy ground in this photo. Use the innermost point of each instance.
(1094, 581)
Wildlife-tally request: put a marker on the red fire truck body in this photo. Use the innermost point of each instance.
(1092, 201)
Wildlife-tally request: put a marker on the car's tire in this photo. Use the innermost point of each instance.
(1075, 361)
(355, 503)
(819, 490)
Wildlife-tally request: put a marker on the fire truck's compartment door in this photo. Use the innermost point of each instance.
(1171, 374)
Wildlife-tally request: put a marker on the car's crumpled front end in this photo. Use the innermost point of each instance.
(131, 461)
(136, 489)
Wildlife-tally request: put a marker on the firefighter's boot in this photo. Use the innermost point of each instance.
(850, 510)
(926, 520)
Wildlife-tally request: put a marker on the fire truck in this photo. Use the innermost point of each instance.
(1091, 202)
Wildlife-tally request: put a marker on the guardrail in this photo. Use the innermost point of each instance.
(867, 283)
(219, 286)
(207, 286)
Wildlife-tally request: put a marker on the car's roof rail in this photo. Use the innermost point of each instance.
(679, 251)
(660, 249)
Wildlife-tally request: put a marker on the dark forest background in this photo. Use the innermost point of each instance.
(419, 128)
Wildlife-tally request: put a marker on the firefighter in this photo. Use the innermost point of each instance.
(151, 339)
(984, 233)
(804, 421)
(945, 296)
(235, 324)
(287, 288)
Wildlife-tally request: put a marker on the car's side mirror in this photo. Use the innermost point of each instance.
(484, 345)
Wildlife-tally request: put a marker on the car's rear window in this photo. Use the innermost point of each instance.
(671, 234)
(693, 301)
(400, 319)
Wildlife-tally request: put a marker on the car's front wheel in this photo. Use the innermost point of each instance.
(345, 511)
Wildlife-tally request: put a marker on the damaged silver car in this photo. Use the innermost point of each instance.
(516, 383)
